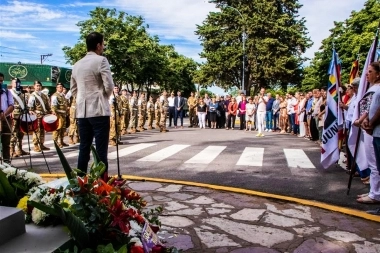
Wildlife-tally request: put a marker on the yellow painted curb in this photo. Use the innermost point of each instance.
(305, 202)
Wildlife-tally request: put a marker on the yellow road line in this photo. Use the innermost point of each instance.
(305, 202)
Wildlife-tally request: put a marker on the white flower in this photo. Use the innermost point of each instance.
(137, 241)
(38, 216)
(135, 226)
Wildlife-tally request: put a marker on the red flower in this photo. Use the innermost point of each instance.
(124, 192)
(137, 249)
(120, 217)
(154, 228)
(103, 188)
(158, 249)
(82, 183)
(52, 190)
(140, 220)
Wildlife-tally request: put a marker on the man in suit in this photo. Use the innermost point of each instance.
(179, 102)
(92, 85)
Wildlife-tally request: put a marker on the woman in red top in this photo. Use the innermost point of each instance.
(232, 110)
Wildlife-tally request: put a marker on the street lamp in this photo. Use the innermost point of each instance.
(244, 37)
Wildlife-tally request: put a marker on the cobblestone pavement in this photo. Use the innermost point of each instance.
(203, 220)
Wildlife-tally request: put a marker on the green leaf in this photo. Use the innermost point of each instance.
(6, 190)
(123, 249)
(95, 155)
(75, 225)
(43, 208)
(64, 162)
(20, 186)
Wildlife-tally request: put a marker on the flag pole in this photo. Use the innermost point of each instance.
(353, 165)
(339, 112)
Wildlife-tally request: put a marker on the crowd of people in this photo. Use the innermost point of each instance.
(23, 112)
(300, 114)
(98, 109)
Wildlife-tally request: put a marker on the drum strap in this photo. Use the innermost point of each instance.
(40, 100)
(15, 96)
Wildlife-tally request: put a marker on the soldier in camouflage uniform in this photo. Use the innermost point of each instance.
(150, 112)
(39, 105)
(142, 104)
(115, 117)
(133, 108)
(192, 103)
(124, 110)
(59, 108)
(17, 134)
(73, 128)
(157, 112)
(164, 109)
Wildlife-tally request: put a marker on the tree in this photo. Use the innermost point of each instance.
(136, 58)
(276, 40)
(351, 38)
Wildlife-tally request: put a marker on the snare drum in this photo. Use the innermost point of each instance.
(28, 123)
(50, 122)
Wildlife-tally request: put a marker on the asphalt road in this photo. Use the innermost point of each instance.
(277, 163)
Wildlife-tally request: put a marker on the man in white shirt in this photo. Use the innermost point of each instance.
(171, 108)
(292, 101)
(261, 111)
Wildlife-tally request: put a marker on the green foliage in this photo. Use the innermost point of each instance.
(202, 93)
(351, 38)
(65, 164)
(8, 196)
(276, 39)
(136, 57)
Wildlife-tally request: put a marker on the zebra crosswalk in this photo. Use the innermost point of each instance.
(198, 158)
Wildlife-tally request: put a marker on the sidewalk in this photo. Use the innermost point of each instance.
(201, 218)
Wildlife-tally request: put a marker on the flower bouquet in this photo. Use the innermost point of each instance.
(102, 215)
(15, 184)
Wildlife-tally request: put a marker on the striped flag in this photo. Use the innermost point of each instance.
(354, 70)
(330, 149)
(361, 159)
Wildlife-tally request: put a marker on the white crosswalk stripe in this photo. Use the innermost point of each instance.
(298, 162)
(163, 153)
(251, 157)
(297, 158)
(129, 150)
(207, 155)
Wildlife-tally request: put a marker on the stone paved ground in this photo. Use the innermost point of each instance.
(203, 220)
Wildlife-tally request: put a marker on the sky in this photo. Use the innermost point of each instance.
(29, 29)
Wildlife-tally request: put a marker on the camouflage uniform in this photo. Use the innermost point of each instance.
(124, 111)
(192, 103)
(157, 112)
(17, 134)
(150, 112)
(133, 110)
(35, 105)
(73, 128)
(142, 112)
(164, 108)
(59, 108)
(114, 120)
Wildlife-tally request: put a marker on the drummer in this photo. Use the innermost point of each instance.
(39, 105)
(59, 108)
(17, 135)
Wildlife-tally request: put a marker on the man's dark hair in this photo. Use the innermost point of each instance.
(93, 39)
(2, 75)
